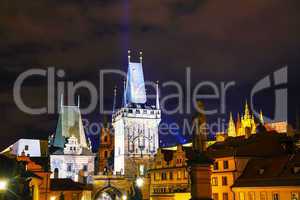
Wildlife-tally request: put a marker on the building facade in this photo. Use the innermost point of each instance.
(169, 176)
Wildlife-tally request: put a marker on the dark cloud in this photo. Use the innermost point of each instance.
(220, 40)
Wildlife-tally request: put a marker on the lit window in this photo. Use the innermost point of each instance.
(163, 176)
(241, 196)
(251, 196)
(263, 196)
(215, 196)
(275, 196)
(225, 164)
(142, 170)
(224, 180)
(179, 175)
(225, 196)
(295, 196)
(214, 181)
(216, 166)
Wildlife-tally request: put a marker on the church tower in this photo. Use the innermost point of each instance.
(71, 152)
(136, 136)
(106, 147)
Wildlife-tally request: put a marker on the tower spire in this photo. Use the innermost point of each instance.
(157, 96)
(115, 97)
(124, 90)
(231, 131)
(247, 112)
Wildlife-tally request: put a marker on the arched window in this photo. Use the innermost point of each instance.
(56, 172)
(105, 154)
(105, 138)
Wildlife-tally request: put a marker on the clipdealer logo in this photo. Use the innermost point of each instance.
(280, 80)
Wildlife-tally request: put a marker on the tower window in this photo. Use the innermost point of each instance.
(105, 138)
(26, 147)
(105, 154)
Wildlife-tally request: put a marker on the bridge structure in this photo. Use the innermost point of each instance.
(112, 187)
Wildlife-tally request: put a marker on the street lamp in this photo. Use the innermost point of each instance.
(3, 185)
(139, 182)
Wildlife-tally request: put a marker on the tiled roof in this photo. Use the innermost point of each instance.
(258, 145)
(279, 171)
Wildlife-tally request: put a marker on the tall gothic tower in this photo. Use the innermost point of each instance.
(135, 125)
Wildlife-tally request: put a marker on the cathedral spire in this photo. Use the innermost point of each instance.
(247, 112)
(157, 96)
(231, 131)
(261, 117)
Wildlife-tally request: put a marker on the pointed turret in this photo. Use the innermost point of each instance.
(115, 100)
(247, 112)
(231, 127)
(157, 96)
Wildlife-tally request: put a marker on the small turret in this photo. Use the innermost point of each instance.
(157, 96)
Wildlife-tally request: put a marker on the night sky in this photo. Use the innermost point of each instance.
(232, 40)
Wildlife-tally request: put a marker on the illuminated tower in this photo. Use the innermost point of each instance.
(105, 151)
(231, 127)
(135, 125)
(71, 154)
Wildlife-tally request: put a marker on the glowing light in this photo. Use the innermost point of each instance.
(124, 197)
(52, 198)
(140, 182)
(3, 185)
